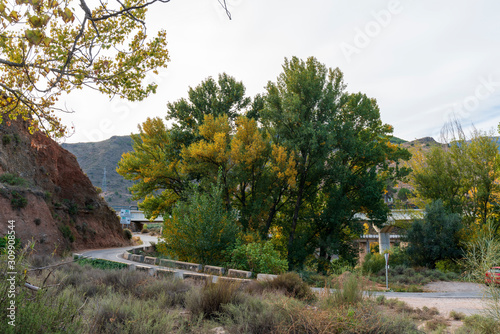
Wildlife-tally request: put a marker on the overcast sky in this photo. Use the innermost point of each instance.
(423, 61)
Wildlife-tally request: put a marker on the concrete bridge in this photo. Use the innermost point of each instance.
(383, 234)
(134, 218)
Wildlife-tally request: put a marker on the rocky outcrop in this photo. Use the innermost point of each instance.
(51, 200)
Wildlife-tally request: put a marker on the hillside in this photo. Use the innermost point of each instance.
(97, 156)
(51, 201)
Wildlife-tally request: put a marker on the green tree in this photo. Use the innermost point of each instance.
(200, 230)
(362, 163)
(343, 157)
(464, 175)
(436, 237)
(300, 108)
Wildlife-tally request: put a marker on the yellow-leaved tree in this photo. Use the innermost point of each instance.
(51, 47)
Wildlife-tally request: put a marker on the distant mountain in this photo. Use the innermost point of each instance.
(396, 140)
(95, 157)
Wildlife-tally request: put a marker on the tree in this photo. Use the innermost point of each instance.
(200, 229)
(299, 109)
(48, 48)
(436, 237)
(464, 175)
(210, 136)
(342, 154)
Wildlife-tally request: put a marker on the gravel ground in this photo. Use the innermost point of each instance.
(446, 305)
(468, 306)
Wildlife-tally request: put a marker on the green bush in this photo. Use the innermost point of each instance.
(374, 262)
(436, 237)
(127, 233)
(448, 266)
(102, 264)
(66, 232)
(6, 139)
(201, 229)
(18, 201)
(12, 179)
(258, 257)
(5, 241)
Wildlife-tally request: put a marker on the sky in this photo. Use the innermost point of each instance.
(425, 62)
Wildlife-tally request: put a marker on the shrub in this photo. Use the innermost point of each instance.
(252, 315)
(447, 265)
(5, 139)
(102, 264)
(258, 257)
(144, 231)
(37, 221)
(480, 324)
(12, 179)
(457, 315)
(18, 201)
(374, 262)
(127, 233)
(350, 293)
(66, 232)
(289, 283)
(71, 206)
(436, 237)
(201, 229)
(5, 241)
(208, 301)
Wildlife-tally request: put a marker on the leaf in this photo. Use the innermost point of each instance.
(14, 15)
(34, 36)
(35, 22)
(67, 15)
(47, 41)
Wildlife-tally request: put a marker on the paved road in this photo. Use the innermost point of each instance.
(114, 254)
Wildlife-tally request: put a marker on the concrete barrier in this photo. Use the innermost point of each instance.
(239, 273)
(266, 277)
(166, 263)
(149, 270)
(212, 270)
(196, 276)
(180, 265)
(164, 272)
(188, 266)
(137, 258)
(241, 281)
(150, 260)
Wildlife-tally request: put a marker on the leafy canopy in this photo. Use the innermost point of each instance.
(48, 48)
